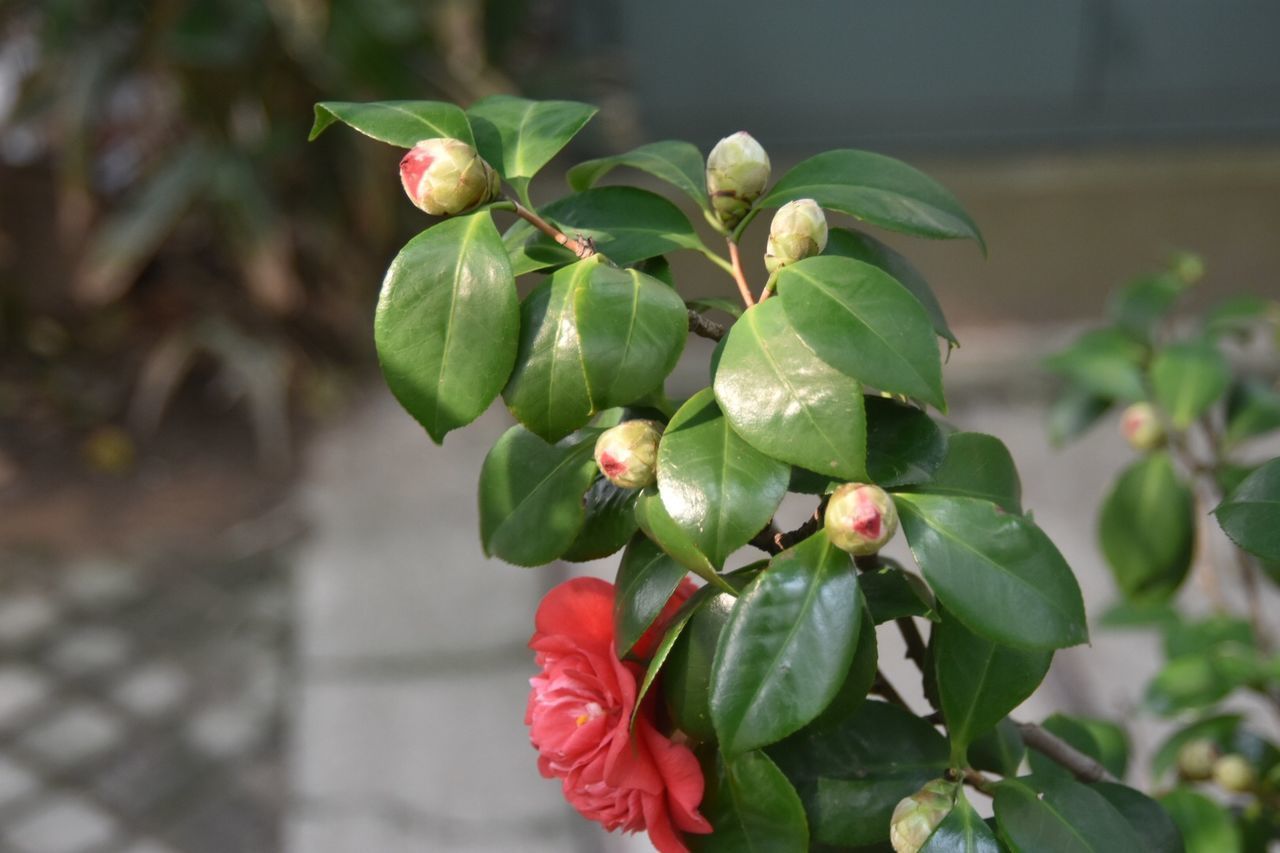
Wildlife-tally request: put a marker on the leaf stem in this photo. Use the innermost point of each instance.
(584, 248)
(717, 260)
(769, 287)
(738, 275)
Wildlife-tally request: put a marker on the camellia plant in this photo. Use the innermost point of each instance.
(748, 711)
(1200, 402)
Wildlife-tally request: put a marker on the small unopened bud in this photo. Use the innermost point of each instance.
(737, 173)
(628, 453)
(1141, 427)
(447, 176)
(798, 231)
(1188, 266)
(1234, 773)
(1196, 759)
(917, 816)
(860, 518)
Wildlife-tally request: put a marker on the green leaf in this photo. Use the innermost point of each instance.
(678, 163)
(653, 519)
(752, 807)
(400, 123)
(1099, 739)
(979, 681)
(628, 225)
(1147, 529)
(447, 323)
(1250, 515)
(647, 577)
(1253, 409)
(850, 774)
(879, 190)
(1194, 681)
(860, 678)
(787, 647)
(1187, 379)
(592, 337)
(1241, 314)
(531, 496)
(518, 136)
(894, 593)
(687, 677)
(904, 444)
(865, 248)
(1073, 413)
(720, 490)
(996, 572)
(1138, 306)
(1070, 818)
(865, 324)
(663, 652)
(1000, 750)
(1105, 362)
(1206, 827)
(977, 466)
(609, 524)
(716, 303)
(1150, 822)
(961, 831)
(788, 403)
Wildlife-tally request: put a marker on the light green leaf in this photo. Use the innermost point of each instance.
(1147, 529)
(400, 123)
(1074, 412)
(1253, 409)
(1206, 826)
(1106, 362)
(1187, 379)
(678, 163)
(518, 136)
(1250, 515)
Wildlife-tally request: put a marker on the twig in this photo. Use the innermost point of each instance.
(703, 327)
(772, 541)
(978, 782)
(888, 691)
(917, 651)
(581, 248)
(1083, 767)
(735, 260)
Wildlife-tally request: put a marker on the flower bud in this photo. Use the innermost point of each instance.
(737, 173)
(1196, 759)
(917, 816)
(1234, 773)
(447, 176)
(860, 518)
(628, 453)
(798, 231)
(1141, 427)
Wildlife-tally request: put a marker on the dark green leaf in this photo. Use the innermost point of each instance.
(860, 677)
(653, 519)
(647, 577)
(609, 524)
(752, 808)
(1253, 409)
(400, 123)
(1138, 306)
(865, 324)
(518, 136)
(1073, 412)
(977, 466)
(1150, 822)
(1070, 818)
(1250, 515)
(678, 163)
(1206, 827)
(1147, 529)
(851, 773)
(788, 403)
(628, 225)
(687, 676)
(864, 247)
(979, 681)
(904, 445)
(1106, 362)
(447, 323)
(1099, 739)
(531, 496)
(1187, 379)
(720, 490)
(961, 831)
(1000, 750)
(667, 644)
(894, 593)
(876, 189)
(996, 572)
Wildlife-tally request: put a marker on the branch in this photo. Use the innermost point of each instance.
(703, 327)
(888, 691)
(735, 260)
(582, 248)
(1083, 767)
(917, 651)
(773, 541)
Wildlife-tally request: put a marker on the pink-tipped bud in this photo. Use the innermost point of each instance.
(1196, 759)
(1234, 773)
(917, 816)
(798, 231)
(1141, 427)
(628, 454)
(860, 518)
(447, 176)
(737, 173)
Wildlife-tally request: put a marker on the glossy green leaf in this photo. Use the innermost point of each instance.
(977, 466)
(1148, 819)
(788, 403)
(531, 496)
(720, 490)
(865, 324)
(610, 522)
(400, 123)
(1253, 409)
(979, 681)
(1000, 750)
(865, 248)
(1105, 362)
(787, 647)
(518, 136)
(851, 773)
(627, 225)
(998, 573)
(1147, 529)
(1250, 515)
(1206, 827)
(961, 831)
(658, 525)
(879, 190)
(1073, 412)
(662, 653)
(752, 808)
(678, 163)
(1139, 305)
(894, 593)
(1070, 818)
(447, 322)
(687, 677)
(1187, 379)
(647, 577)
(904, 445)
(1099, 739)
(861, 676)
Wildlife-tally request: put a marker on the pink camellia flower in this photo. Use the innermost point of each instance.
(579, 718)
